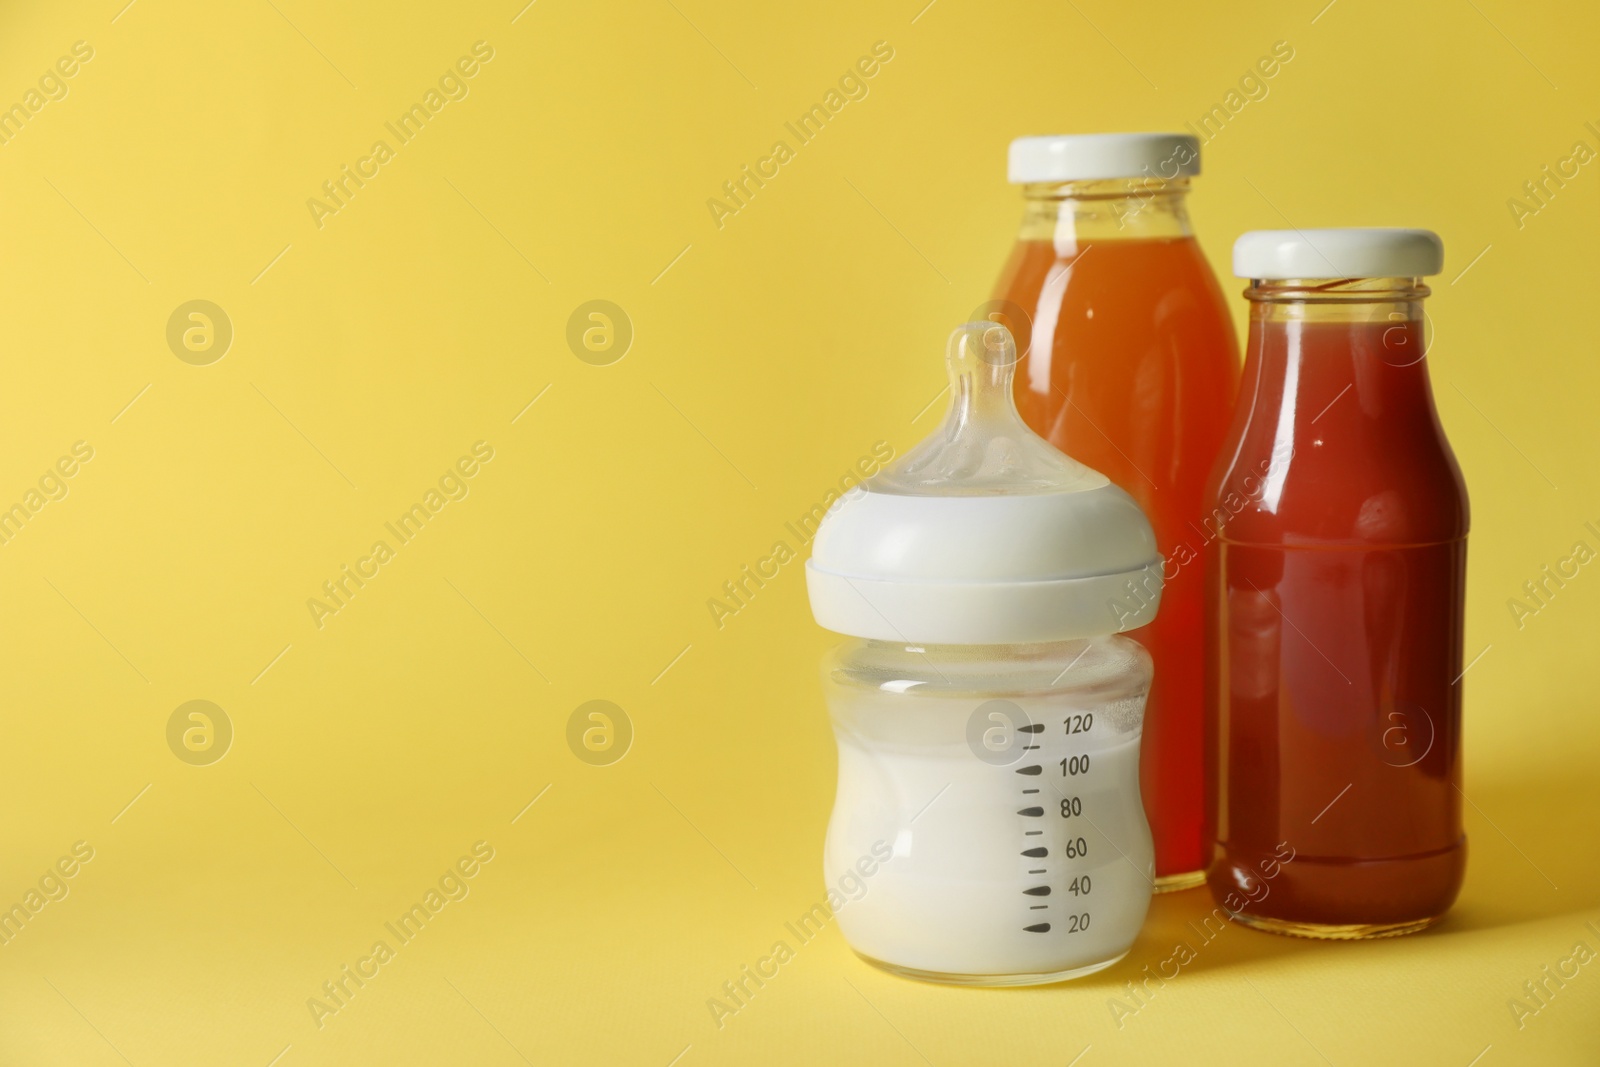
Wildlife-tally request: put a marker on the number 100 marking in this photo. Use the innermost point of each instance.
(1075, 765)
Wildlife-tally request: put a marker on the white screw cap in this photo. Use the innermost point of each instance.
(1345, 253)
(1098, 156)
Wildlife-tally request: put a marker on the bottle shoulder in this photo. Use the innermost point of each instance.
(1127, 341)
(1334, 440)
(1313, 493)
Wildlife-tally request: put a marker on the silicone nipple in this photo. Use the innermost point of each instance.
(983, 447)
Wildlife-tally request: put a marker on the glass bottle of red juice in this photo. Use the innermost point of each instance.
(1131, 364)
(1334, 599)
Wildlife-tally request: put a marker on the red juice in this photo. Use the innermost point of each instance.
(1335, 599)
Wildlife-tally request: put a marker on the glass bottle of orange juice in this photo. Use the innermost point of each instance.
(1130, 365)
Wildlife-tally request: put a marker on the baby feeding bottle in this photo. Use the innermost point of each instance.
(1130, 364)
(1336, 593)
(987, 712)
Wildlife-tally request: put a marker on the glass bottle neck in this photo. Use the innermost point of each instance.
(1070, 212)
(1369, 333)
(1346, 300)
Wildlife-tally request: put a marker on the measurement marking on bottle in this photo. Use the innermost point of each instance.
(1030, 812)
(1035, 769)
(1025, 792)
(1041, 870)
(1031, 728)
(1037, 928)
(1038, 891)
(1039, 907)
(1033, 833)
(1037, 853)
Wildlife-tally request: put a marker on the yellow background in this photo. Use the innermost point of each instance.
(768, 356)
